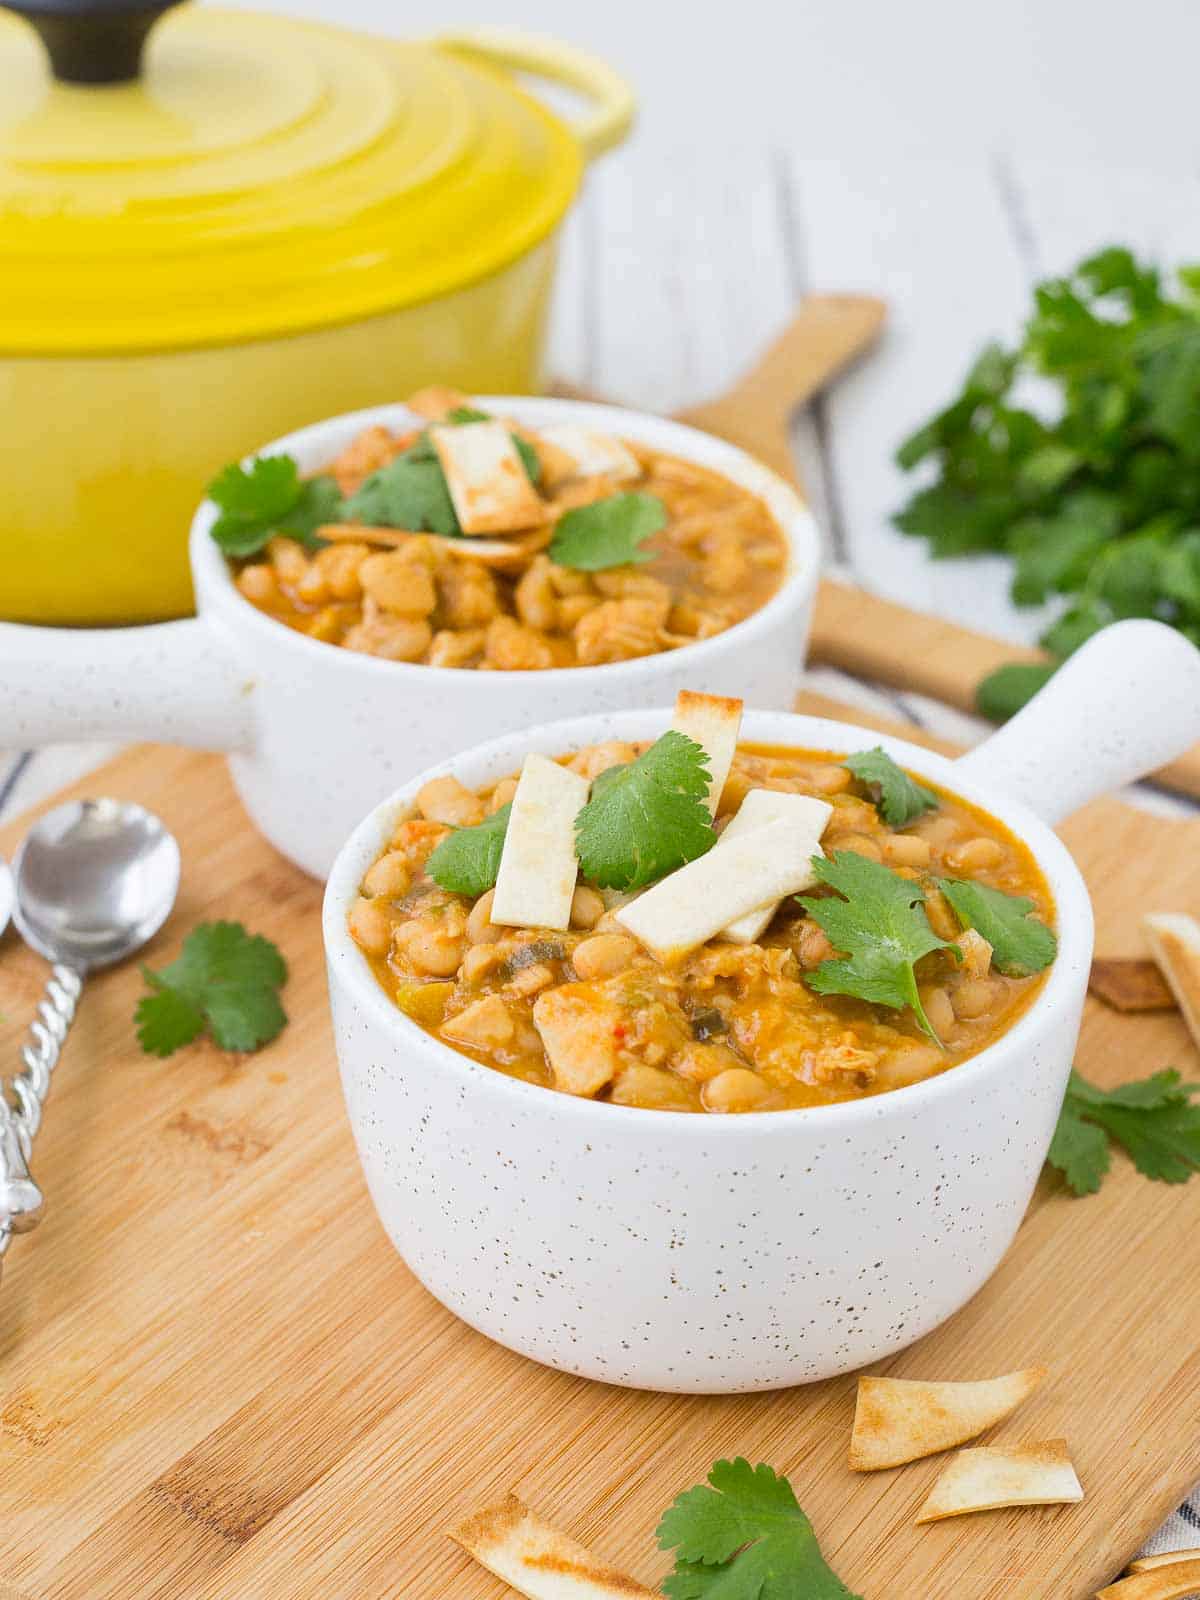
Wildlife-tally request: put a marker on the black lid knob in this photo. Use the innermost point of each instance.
(93, 41)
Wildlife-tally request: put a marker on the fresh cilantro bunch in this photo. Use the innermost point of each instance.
(267, 498)
(744, 1537)
(225, 980)
(645, 819)
(878, 920)
(1153, 1119)
(607, 533)
(901, 799)
(468, 860)
(409, 492)
(1098, 499)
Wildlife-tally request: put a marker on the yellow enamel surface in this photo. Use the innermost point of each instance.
(266, 176)
(105, 459)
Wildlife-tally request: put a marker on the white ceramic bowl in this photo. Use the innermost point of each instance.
(317, 734)
(716, 1254)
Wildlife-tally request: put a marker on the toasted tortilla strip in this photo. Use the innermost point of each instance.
(760, 807)
(537, 1560)
(1003, 1475)
(696, 902)
(486, 478)
(1130, 985)
(713, 722)
(1175, 942)
(1165, 1558)
(502, 554)
(436, 401)
(537, 865)
(588, 454)
(1175, 1580)
(899, 1419)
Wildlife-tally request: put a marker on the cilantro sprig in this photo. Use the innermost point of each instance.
(607, 533)
(1096, 498)
(226, 981)
(877, 919)
(409, 492)
(743, 1536)
(1153, 1119)
(901, 799)
(468, 860)
(1021, 943)
(648, 817)
(267, 498)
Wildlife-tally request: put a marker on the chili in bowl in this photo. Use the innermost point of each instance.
(619, 1220)
(319, 728)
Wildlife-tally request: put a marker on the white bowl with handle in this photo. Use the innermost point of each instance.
(701, 1253)
(316, 733)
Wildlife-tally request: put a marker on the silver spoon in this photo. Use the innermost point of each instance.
(94, 880)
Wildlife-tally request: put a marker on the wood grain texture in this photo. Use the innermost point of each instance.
(217, 1380)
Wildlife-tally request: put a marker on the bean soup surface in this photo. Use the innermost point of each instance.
(418, 597)
(730, 1027)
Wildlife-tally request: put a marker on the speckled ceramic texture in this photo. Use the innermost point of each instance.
(318, 734)
(720, 1254)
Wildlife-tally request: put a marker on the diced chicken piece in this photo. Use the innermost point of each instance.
(487, 1024)
(618, 630)
(486, 478)
(582, 1031)
(468, 595)
(392, 638)
(976, 953)
(398, 584)
(510, 647)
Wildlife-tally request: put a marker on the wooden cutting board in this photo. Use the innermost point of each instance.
(219, 1382)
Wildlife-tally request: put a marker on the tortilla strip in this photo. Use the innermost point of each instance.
(691, 905)
(1170, 1582)
(987, 1479)
(486, 478)
(758, 808)
(1165, 1558)
(503, 554)
(713, 722)
(536, 880)
(1130, 985)
(436, 401)
(1175, 942)
(899, 1419)
(588, 454)
(537, 1560)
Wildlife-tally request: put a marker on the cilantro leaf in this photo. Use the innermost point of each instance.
(608, 533)
(267, 498)
(1021, 944)
(225, 979)
(744, 1538)
(880, 924)
(1003, 692)
(409, 492)
(468, 860)
(901, 798)
(1153, 1119)
(646, 818)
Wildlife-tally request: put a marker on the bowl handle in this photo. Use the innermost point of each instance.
(1125, 703)
(612, 99)
(175, 682)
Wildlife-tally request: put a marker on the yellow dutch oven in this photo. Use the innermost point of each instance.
(248, 225)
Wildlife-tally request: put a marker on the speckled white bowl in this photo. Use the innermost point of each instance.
(317, 734)
(719, 1254)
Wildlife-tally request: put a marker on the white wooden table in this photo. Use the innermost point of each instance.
(683, 258)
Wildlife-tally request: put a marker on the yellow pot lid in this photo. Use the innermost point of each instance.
(265, 176)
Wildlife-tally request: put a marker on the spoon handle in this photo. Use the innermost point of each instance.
(21, 1106)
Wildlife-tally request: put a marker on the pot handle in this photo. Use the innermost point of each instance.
(173, 682)
(1125, 703)
(613, 100)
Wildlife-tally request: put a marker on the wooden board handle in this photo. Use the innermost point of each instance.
(887, 643)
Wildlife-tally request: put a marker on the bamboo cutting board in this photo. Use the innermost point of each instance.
(218, 1381)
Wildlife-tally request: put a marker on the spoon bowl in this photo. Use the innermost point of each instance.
(95, 879)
